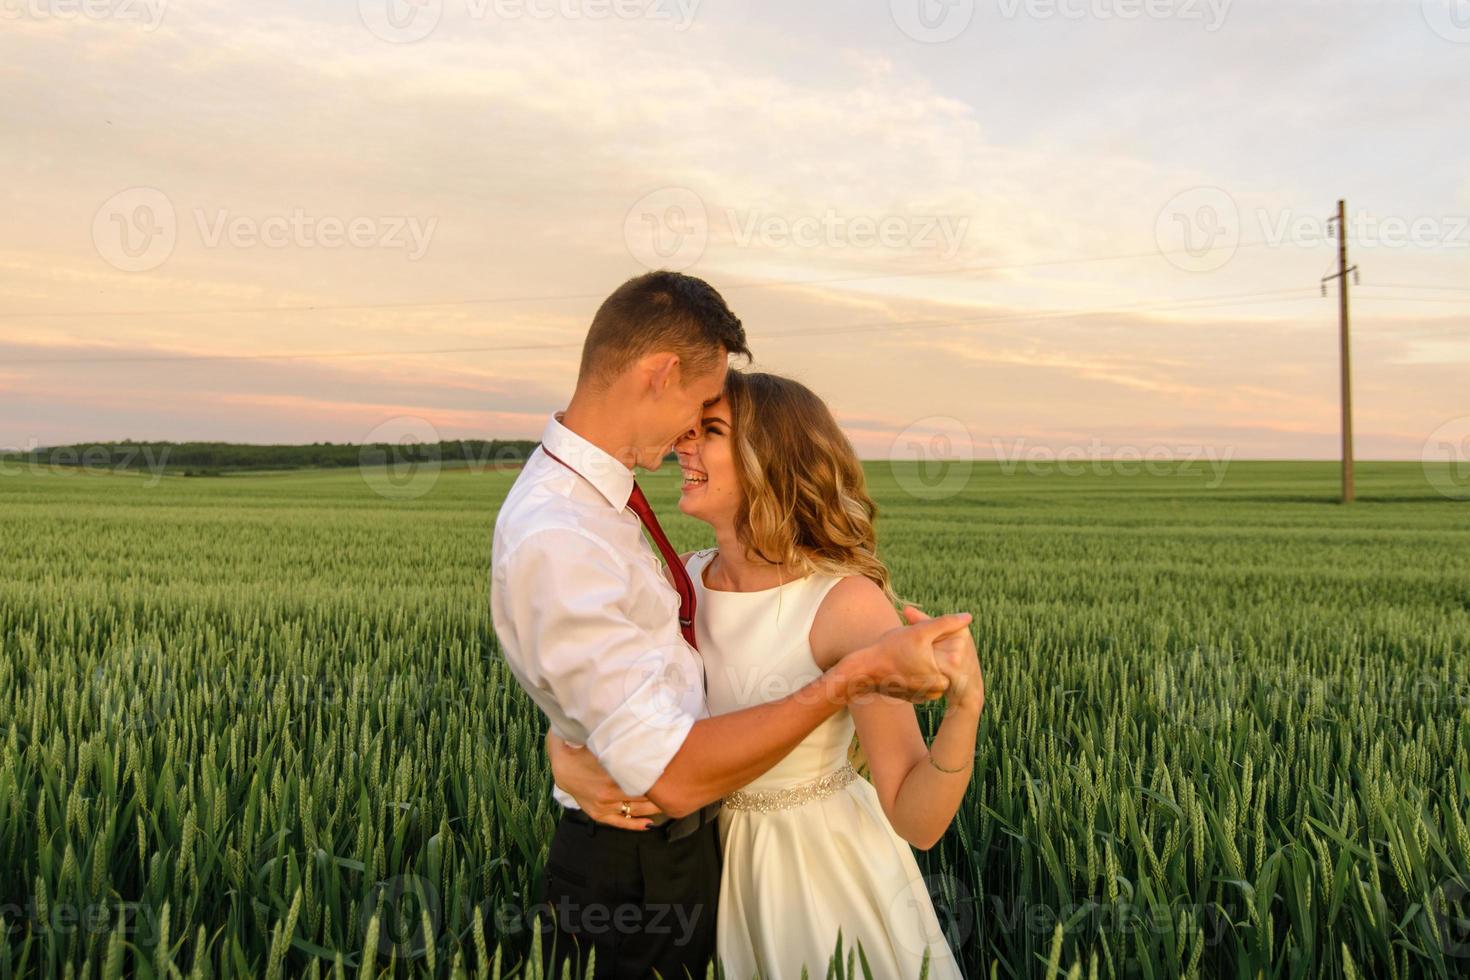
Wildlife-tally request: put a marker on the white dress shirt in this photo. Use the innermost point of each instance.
(587, 621)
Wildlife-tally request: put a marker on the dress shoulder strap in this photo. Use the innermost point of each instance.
(697, 560)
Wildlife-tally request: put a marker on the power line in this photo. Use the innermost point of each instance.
(1414, 299)
(1194, 303)
(557, 297)
(1402, 285)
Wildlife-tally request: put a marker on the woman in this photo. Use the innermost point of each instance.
(795, 584)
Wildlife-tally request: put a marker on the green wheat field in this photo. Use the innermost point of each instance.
(256, 725)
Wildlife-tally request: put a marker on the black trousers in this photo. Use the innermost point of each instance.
(645, 903)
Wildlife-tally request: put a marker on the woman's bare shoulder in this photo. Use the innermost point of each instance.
(853, 614)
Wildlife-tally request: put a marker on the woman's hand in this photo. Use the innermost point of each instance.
(577, 771)
(960, 662)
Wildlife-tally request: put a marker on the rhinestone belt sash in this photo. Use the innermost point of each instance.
(781, 799)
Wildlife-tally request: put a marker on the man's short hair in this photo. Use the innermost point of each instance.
(661, 311)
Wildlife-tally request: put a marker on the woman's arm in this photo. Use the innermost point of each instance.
(575, 769)
(919, 799)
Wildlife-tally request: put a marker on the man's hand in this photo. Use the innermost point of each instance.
(904, 663)
(576, 770)
(960, 662)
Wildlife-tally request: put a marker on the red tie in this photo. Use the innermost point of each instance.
(682, 582)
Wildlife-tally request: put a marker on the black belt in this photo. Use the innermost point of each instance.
(670, 828)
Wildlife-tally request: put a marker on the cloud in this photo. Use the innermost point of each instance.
(526, 143)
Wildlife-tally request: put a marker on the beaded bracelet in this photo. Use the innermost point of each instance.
(942, 769)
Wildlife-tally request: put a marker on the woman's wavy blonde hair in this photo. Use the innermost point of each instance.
(804, 498)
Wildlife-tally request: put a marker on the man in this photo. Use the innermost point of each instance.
(591, 628)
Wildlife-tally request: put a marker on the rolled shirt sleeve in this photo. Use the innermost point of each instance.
(608, 658)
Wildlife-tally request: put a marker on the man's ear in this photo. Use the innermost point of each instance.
(662, 370)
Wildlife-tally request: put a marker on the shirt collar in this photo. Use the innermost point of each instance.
(605, 472)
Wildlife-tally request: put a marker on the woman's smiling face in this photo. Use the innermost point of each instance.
(711, 490)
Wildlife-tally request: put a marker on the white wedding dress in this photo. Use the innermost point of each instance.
(808, 849)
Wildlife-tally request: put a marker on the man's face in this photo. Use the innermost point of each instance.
(678, 409)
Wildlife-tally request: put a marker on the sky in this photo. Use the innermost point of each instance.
(1013, 226)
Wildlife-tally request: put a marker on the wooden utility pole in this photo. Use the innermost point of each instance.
(1346, 385)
